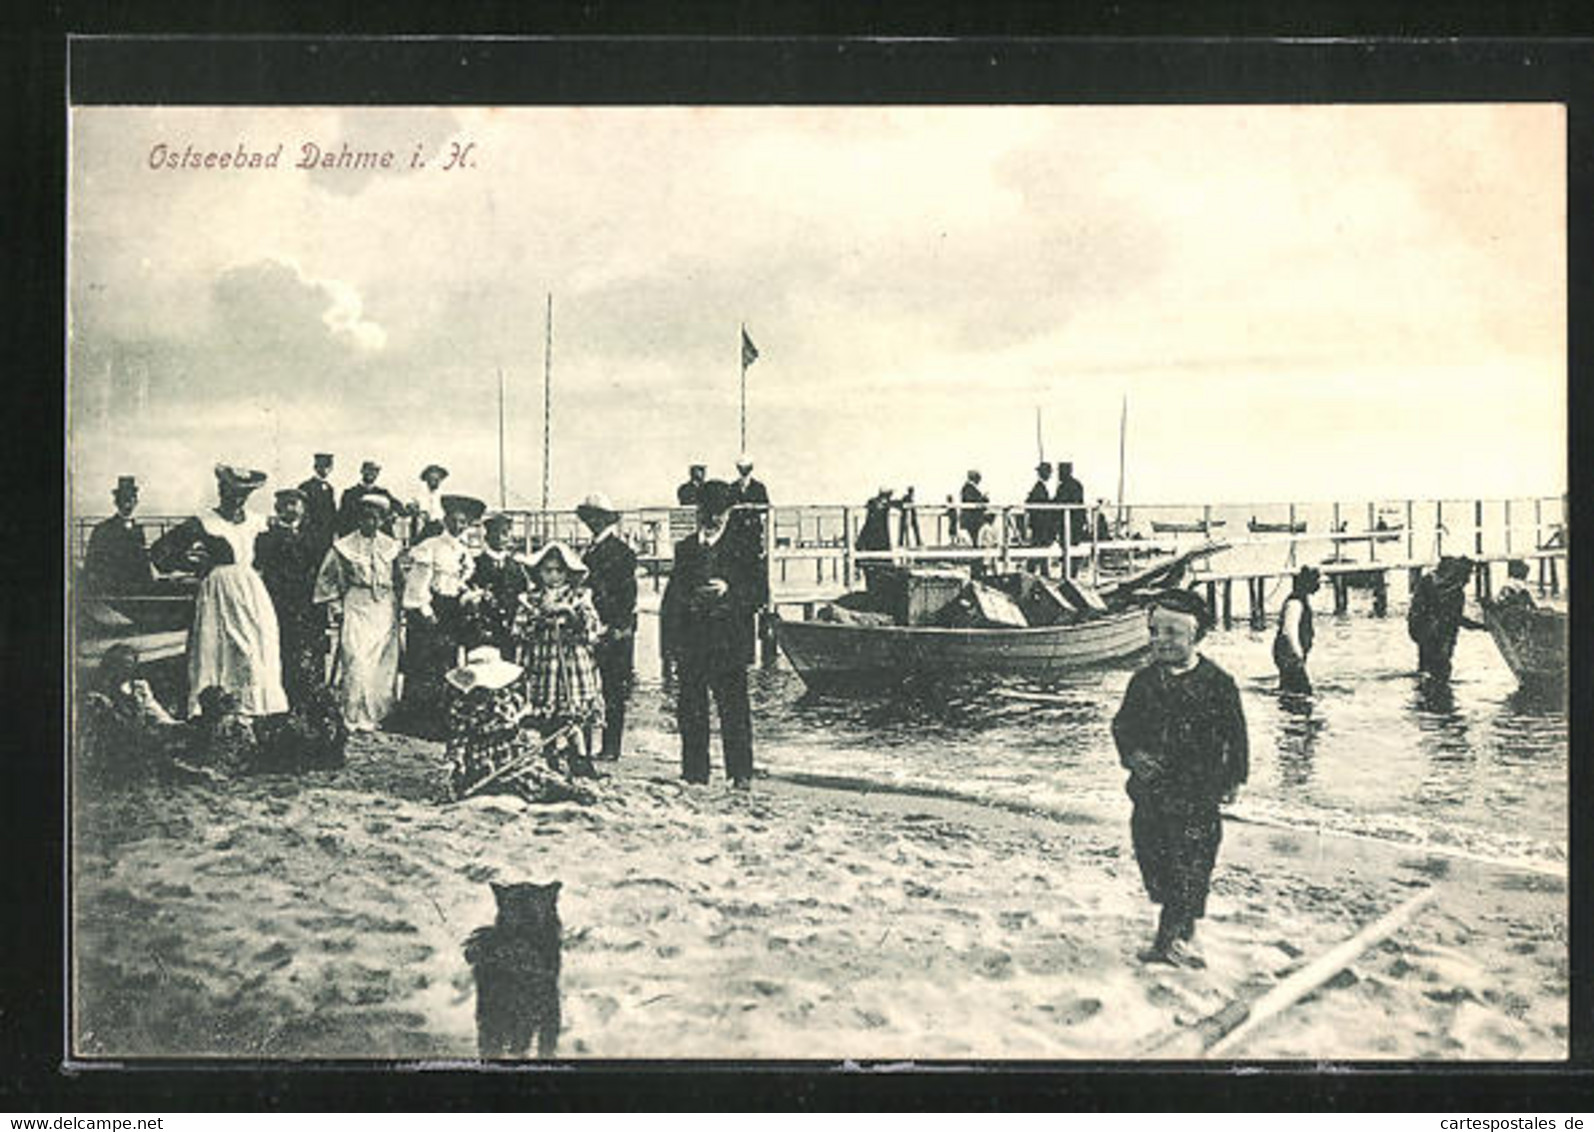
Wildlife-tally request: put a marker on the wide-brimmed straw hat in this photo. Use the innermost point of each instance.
(597, 508)
(239, 478)
(571, 560)
(468, 505)
(484, 667)
(376, 499)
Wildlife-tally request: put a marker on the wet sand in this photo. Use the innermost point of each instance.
(323, 916)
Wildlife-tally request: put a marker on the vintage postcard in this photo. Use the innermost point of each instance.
(910, 583)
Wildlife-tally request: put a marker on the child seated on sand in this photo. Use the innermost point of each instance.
(124, 727)
(488, 750)
(555, 626)
(1181, 734)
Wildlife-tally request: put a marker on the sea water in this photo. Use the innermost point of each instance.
(1476, 766)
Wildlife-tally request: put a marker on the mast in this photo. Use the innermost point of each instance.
(741, 351)
(502, 500)
(1123, 425)
(1040, 445)
(547, 402)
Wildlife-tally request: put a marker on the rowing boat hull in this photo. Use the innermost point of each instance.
(1532, 642)
(826, 654)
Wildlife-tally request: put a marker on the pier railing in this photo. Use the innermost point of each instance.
(813, 547)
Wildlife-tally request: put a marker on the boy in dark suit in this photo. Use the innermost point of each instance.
(707, 621)
(611, 575)
(320, 503)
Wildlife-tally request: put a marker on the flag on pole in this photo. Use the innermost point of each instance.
(749, 351)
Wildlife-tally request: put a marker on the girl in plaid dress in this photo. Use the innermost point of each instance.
(556, 625)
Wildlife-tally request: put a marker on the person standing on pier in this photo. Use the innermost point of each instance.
(1181, 735)
(1293, 642)
(1041, 521)
(972, 513)
(320, 504)
(116, 561)
(611, 575)
(1071, 492)
(707, 621)
(360, 580)
(875, 532)
(1437, 612)
(908, 535)
(288, 555)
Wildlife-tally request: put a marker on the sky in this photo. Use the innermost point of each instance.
(1296, 303)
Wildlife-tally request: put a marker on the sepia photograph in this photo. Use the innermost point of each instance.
(840, 583)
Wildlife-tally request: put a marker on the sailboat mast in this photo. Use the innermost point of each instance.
(547, 402)
(1123, 427)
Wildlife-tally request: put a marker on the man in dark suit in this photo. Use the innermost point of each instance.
(747, 523)
(287, 557)
(349, 505)
(1042, 523)
(972, 513)
(1070, 490)
(320, 503)
(707, 621)
(116, 560)
(611, 575)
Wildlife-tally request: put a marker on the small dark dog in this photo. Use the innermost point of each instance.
(516, 964)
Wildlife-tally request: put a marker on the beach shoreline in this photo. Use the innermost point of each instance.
(323, 916)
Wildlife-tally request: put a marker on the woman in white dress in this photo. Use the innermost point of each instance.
(361, 574)
(232, 643)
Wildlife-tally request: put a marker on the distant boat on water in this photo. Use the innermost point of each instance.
(1199, 527)
(1257, 527)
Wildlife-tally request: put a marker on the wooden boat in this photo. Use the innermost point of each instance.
(1163, 527)
(1531, 639)
(827, 655)
(1256, 527)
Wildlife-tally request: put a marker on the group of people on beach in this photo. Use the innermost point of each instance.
(521, 660)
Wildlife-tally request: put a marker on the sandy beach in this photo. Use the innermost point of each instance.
(323, 916)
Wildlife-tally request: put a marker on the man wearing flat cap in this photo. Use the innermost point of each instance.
(611, 576)
(320, 503)
(349, 505)
(706, 621)
(434, 618)
(1181, 735)
(287, 556)
(116, 560)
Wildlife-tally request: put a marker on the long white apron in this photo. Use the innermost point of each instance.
(233, 641)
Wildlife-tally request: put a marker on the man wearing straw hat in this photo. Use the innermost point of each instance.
(706, 620)
(116, 560)
(611, 575)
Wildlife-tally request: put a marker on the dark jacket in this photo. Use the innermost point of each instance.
(349, 509)
(611, 575)
(875, 533)
(504, 579)
(1192, 724)
(170, 552)
(714, 634)
(1070, 490)
(116, 561)
(320, 510)
(972, 518)
(288, 561)
(1042, 524)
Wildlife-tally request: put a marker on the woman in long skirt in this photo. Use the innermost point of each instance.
(361, 574)
(232, 644)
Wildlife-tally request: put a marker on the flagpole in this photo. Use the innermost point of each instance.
(502, 495)
(1040, 446)
(741, 352)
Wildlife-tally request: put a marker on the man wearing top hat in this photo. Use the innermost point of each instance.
(116, 560)
(434, 619)
(706, 622)
(288, 555)
(611, 575)
(426, 510)
(320, 503)
(349, 505)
